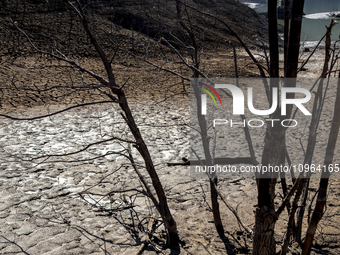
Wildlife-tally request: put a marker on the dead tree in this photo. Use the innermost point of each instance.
(114, 93)
(274, 149)
(201, 120)
(322, 193)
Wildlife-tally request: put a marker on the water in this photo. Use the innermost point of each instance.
(313, 30)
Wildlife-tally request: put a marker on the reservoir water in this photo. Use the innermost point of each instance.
(313, 30)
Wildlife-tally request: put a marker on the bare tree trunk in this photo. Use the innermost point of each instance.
(264, 242)
(273, 41)
(322, 195)
(317, 108)
(164, 210)
(208, 159)
(265, 217)
(291, 222)
(301, 212)
(286, 31)
(294, 39)
(203, 126)
(274, 144)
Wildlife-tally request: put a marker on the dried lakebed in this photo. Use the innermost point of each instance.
(53, 205)
(41, 210)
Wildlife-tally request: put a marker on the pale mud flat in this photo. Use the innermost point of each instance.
(314, 66)
(41, 211)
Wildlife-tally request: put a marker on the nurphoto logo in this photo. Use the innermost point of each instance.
(281, 97)
(238, 99)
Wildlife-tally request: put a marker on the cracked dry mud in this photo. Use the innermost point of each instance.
(42, 212)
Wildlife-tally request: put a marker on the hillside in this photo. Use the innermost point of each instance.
(75, 170)
(132, 29)
(52, 22)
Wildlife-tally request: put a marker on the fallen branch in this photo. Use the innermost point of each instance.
(150, 231)
(231, 161)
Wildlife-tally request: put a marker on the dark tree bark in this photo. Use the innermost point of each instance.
(317, 108)
(322, 195)
(294, 38)
(164, 210)
(264, 242)
(203, 126)
(274, 144)
(286, 31)
(265, 217)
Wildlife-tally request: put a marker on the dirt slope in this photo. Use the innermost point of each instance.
(52, 23)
